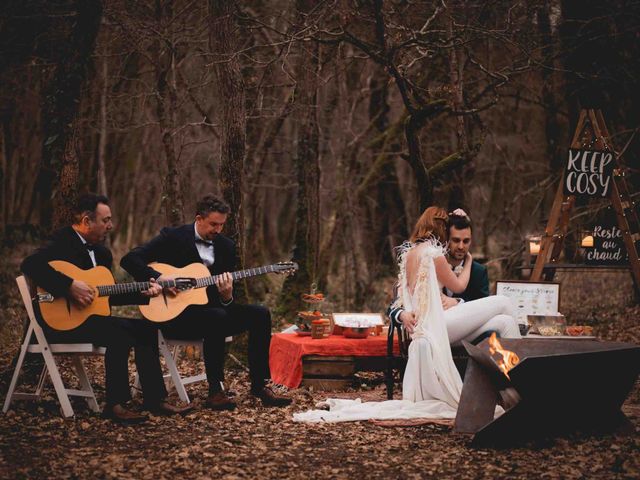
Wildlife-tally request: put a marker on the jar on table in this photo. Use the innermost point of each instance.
(320, 328)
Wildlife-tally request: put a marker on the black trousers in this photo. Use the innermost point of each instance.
(119, 335)
(213, 324)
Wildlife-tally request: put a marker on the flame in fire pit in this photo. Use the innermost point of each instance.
(509, 359)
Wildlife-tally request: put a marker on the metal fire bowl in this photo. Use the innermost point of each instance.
(562, 385)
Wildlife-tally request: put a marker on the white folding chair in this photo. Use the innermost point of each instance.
(48, 352)
(169, 349)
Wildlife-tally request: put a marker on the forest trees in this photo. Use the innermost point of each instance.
(327, 125)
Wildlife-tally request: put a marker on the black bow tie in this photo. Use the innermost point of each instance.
(204, 242)
(89, 247)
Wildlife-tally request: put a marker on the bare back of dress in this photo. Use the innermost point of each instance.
(430, 373)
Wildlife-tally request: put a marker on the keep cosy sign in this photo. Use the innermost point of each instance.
(608, 246)
(588, 173)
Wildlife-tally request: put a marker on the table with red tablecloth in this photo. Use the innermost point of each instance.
(287, 350)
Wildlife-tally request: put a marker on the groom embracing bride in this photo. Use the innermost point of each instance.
(432, 385)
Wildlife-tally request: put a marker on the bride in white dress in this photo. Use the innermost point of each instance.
(432, 385)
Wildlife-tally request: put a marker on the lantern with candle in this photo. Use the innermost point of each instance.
(585, 243)
(533, 247)
(586, 239)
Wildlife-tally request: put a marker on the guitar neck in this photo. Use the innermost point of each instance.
(249, 272)
(133, 287)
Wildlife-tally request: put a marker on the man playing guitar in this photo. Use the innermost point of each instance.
(81, 245)
(202, 242)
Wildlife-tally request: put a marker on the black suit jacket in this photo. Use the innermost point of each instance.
(177, 246)
(65, 244)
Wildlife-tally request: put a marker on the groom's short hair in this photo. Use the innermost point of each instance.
(460, 222)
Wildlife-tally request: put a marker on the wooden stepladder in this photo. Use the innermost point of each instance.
(591, 132)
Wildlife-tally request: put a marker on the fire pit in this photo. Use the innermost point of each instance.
(557, 386)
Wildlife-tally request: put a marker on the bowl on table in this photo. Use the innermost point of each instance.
(547, 325)
(356, 332)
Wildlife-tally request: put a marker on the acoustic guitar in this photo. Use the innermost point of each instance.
(166, 307)
(63, 314)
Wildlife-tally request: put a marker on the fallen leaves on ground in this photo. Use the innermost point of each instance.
(258, 442)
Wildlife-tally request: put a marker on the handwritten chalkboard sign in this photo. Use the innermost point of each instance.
(588, 173)
(531, 298)
(608, 245)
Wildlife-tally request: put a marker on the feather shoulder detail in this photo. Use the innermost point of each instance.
(401, 251)
(430, 248)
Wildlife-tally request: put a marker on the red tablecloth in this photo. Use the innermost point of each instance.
(287, 350)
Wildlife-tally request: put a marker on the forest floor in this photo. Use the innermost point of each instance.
(258, 442)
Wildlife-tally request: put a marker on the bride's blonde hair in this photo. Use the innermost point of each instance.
(431, 224)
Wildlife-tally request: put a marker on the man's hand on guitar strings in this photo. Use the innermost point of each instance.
(154, 289)
(224, 282)
(81, 293)
(172, 291)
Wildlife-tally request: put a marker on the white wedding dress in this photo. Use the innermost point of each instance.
(432, 385)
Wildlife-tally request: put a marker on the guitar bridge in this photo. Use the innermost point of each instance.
(44, 298)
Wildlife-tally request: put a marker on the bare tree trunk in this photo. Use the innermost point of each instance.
(131, 201)
(551, 124)
(102, 145)
(234, 123)
(387, 219)
(307, 236)
(412, 128)
(257, 197)
(166, 109)
(59, 168)
(458, 189)
(4, 213)
(67, 183)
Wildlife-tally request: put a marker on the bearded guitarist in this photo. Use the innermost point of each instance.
(202, 242)
(81, 245)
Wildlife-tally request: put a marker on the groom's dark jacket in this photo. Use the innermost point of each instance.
(177, 246)
(478, 286)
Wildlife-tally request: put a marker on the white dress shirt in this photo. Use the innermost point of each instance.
(205, 250)
(91, 253)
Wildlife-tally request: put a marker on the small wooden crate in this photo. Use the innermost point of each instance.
(328, 373)
(337, 373)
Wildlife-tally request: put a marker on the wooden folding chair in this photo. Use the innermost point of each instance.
(48, 352)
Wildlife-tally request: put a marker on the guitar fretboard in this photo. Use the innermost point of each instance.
(133, 287)
(250, 272)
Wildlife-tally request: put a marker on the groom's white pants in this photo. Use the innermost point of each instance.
(469, 320)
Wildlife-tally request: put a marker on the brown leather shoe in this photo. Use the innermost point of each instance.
(272, 399)
(166, 409)
(220, 401)
(119, 413)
